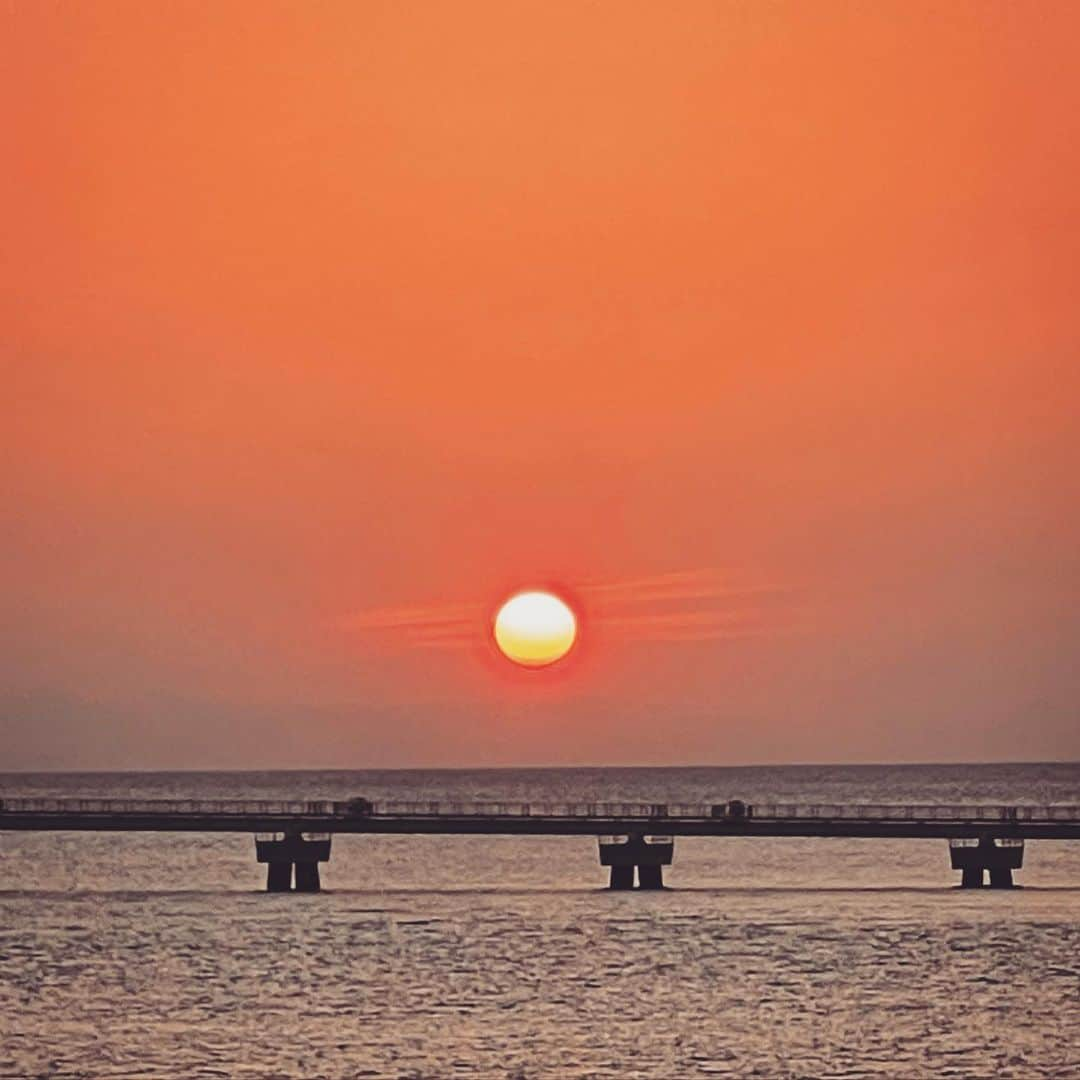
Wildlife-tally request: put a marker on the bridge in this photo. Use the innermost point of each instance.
(633, 837)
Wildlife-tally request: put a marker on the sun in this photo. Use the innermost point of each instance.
(535, 629)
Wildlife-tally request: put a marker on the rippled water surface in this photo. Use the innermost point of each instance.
(429, 957)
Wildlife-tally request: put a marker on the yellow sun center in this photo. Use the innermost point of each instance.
(535, 629)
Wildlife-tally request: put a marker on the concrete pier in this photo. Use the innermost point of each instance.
(647, 855)
(650, 875)
(284, 851)
(279, 876)
(974, 858)
(307, 876)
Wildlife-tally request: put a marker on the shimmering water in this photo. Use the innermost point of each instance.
(430, 957)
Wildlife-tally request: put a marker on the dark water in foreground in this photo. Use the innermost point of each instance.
(158, 955)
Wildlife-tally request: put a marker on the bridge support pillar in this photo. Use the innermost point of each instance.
(278, 876)
(975, 857)
(307, 877)
(644, 855)
(972, 877)
(650, 876)
(282, 851)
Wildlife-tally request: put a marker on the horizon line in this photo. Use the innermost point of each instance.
(539, 768)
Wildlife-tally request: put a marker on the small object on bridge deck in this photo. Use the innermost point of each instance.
(732, 810)
(281, 851)
(974, 857)
(647, 854)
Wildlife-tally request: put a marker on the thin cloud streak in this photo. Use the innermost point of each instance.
(404, 618)
(679, 585)
(690, 605)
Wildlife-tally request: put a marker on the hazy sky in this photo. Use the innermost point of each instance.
(752, 326)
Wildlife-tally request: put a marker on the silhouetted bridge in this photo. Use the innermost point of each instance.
(632, 836)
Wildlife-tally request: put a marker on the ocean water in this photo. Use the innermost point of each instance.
(159, 955)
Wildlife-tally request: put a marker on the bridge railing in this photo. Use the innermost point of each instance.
(545, 810)
(601, 810)
(916, 812)
(208, 807)
(759, 811)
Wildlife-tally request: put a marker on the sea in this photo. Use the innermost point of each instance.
(424, 958)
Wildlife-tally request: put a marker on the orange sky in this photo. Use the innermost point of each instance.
(753, 326)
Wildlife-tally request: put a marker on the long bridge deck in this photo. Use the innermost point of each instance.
(537, 819)
(635, 839)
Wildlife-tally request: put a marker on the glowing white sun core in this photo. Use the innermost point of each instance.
(535, 629)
